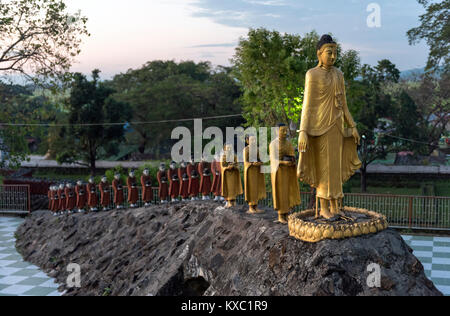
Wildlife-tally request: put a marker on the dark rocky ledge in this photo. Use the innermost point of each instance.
(200, 249)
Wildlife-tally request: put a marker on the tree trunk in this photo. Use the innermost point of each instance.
(364, 180)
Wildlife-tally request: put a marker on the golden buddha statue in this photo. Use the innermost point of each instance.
(231, 177)
(328, 135)
(285, 187)
(254, 182)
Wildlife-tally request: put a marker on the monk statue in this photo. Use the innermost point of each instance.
(118, 191)
(105, 198)
(328, 135)
(231, 177)
(49, 196)
(147, 191)
(254, 181)
(81, 196)
(62, 199)
(285, 187)
(216, 170)
(133, 193)
(184, 181)
(71, 199)
(163, 183)
(204, 169)
(194, 180)
(174, 182)
(92, 195)
(54, 199)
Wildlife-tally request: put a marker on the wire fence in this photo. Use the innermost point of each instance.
(15, 199)
(402, 211)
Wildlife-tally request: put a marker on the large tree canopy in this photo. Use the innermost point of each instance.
(92, 117)
(166, 90)
(435, 30)
(271, 69)
(39, 38)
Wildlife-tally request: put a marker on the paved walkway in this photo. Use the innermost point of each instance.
(23, 279)
(434, 253)
(19, 278)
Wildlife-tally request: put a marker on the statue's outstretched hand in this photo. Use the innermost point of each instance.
(303, 142)
(355, 135)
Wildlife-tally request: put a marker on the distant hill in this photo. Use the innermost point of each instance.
(412, 72)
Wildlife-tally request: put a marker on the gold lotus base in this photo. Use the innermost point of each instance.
(355, 222)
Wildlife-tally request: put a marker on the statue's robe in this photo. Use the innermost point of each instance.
(163, 185)
(216, 170)
(174, 183)
(231, 179)
(92, 195)
(105, 197)
(204, 169)
(194, 180)
(118, 192)
(133, 193)
(62, 200)
(71, 199)
(254, 181)
(147, 191)
(285, 187)
(331, 158)
(81, 197)
(55, 202)
(184, 182)
(50, 199)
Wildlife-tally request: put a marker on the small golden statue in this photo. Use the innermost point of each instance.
(285, 187)
(231, 178)
(328, 134)
(254, 182)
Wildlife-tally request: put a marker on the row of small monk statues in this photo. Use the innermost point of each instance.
(220, 178)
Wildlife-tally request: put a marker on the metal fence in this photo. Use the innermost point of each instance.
(15, 199)
(403, 211)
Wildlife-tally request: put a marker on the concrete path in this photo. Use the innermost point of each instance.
(17, 277)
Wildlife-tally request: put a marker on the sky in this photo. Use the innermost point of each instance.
(127, 34)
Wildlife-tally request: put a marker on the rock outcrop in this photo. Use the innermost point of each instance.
(203, 249)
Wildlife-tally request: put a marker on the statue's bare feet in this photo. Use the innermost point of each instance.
(325, 213)
(254, 210)
(335, 211)
(282, 218)
(229, 204)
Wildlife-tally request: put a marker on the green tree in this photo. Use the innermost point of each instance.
(166, 90)
(39, 38)
(435, 30)
(271, 69)
(371, 108)
(92, 117)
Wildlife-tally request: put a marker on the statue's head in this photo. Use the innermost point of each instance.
(91, 180)
(327, 51)
(146, 171)
(69, 185)
(282, 131)
(131, 174)
(183, 164)
(61, 186)
(173, 165)
(117, 176)
(79, 183)
(104, 179)
(162, 166)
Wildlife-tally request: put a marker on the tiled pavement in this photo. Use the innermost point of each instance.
(21, 278)
(434, 253)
